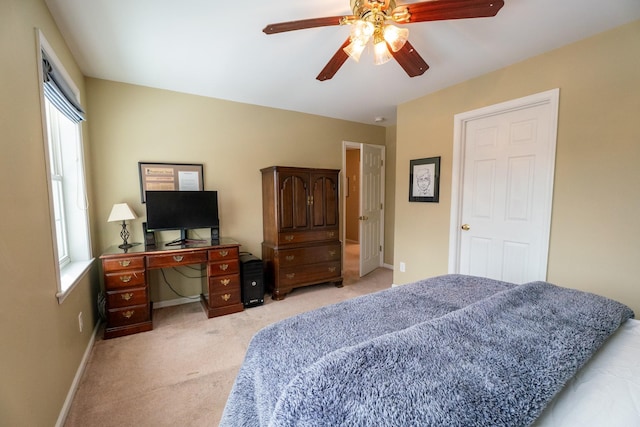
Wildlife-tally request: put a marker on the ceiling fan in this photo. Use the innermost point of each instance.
(372, 19)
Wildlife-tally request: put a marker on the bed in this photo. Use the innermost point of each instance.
(452, 350)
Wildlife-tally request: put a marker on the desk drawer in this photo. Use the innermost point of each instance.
(224, 267)
(128, 263)
(127, 297)
(224, 283)
(176, 259)
(128, 315)
(222, 299)
(124, 279)
(223, 254)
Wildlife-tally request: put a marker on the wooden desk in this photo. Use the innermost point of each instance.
(128, 305)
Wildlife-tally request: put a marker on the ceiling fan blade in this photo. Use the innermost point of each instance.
(302, 24)
(334, 63)
(439, 10)
(410, 60)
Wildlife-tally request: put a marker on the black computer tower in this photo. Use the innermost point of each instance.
(252, 280)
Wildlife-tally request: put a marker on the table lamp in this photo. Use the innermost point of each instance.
(122, 212)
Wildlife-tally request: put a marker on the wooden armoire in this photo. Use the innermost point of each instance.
(301, 243)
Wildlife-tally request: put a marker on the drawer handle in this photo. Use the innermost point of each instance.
(332, 269)
(290, 257)
(291, 275)
(331, 233)
(332, 253)
(127, 314)
(124, 262)
(125, 279)
(127, 296)
(224, 267)
(225, 297)
(223, 253)
(178, 258)
(288, 237)
(225, 282)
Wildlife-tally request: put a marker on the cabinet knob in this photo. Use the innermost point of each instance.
(223, 253)
(290, 257)
(288, 237)
(178, 258)
(127, 314)
(125, 262)
(291, 275)
(224, 267)
(125, 279)
(127, 296)
(225, 282)
(225, 297)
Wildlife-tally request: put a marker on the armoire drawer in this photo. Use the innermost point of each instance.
(309, 273)
(307, 255)
(293, 237)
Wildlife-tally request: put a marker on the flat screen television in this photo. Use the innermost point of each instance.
(182, 210)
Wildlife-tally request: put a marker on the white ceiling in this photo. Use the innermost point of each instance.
(217, 49)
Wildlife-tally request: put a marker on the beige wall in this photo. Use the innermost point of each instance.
(595, 243)
(234, 141)
(41, 345)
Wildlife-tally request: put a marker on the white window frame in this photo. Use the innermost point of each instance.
(71, 267)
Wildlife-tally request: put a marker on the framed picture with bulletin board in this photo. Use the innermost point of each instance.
(424, 180)
(170, 177)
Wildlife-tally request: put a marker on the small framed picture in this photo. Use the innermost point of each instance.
(424, 180)
(169, 177)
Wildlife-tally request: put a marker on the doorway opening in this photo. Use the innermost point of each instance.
(363, 210)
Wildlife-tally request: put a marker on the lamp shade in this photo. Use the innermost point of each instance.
(121, 212)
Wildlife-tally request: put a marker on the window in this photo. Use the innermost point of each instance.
(62, 117)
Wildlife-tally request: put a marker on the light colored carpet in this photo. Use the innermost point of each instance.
(180, 373)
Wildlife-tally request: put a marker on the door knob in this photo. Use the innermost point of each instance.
(465, 227)
(363, 218)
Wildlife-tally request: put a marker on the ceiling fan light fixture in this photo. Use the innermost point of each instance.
(395, 36)
(361, 31)
(381, 53)
(354, 50)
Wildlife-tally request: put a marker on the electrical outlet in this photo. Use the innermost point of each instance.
(403, 267)
(80, 322)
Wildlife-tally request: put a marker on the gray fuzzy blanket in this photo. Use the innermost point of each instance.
(452, 350)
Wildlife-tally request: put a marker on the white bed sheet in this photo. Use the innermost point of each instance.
(606, 391)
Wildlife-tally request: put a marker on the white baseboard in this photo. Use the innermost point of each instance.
(177, 301)
(389, 266)
(62, 417)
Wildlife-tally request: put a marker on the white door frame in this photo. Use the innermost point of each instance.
(550, 97)
(359, 146)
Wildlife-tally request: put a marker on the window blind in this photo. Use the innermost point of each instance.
(58, 91)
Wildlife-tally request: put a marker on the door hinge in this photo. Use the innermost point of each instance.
(380, 206)
(380, 248)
